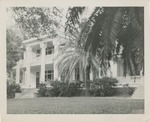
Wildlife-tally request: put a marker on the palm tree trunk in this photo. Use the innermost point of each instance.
(85, 81)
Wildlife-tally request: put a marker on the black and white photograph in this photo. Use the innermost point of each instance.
(75, 60)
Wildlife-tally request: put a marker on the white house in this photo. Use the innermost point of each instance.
(40, 63)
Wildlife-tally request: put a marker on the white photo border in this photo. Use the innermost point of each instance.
(71, 117)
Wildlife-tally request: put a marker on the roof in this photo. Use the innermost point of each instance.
(34, 39)
(60, 34)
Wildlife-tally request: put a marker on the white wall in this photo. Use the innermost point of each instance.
(32, 82)
(34, 69)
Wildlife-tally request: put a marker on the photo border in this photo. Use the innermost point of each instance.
(73, 117)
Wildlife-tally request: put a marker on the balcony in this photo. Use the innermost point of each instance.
(49, 59)
(37, 60)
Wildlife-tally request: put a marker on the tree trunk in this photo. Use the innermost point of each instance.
(85, 81)
(87, 74)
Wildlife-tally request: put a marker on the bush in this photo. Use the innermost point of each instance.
(129, 90)
(42, 90)
(55, 90)
(103, 87)
(58, 88)
(71, 89)
(12, 88)
(99, 87)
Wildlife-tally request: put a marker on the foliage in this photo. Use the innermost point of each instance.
(12, 88)
(42, 89)
(103, 87)
(38, 21)
(100, 87)
(73, 16)
(58, 88)
(113, 31)
(75, 56)
(14, 51)
(128, 89)
(65, 89)
(107, 33)
(71, 89)
(55, 90)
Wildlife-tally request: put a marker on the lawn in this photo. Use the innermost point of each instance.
(75, 105)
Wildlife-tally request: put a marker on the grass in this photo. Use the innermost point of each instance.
(75, 105)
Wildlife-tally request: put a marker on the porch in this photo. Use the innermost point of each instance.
(35, 77)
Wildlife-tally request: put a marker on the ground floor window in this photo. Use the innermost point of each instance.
(49, 75)
(21, 76)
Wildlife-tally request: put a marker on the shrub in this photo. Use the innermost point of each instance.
(71, 89)
(58, 88)
(12, 88)
(42, 90)
(103, 87)
(55, 90)
(129, 90)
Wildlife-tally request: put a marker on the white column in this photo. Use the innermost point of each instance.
(18, 73)
(91, 75)
(42, 75)
(80, 74)
(73, 75)
(24, 55)
(28, 50)
(23, 76)
(141, 73)
(99, 73)
(113, 68)
(56, 59)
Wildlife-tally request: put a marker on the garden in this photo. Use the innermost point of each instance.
(103, 87)
(100, 96)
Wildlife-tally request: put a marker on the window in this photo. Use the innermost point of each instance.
(21, 76)
(49, 75)
(38, 53)
(49, 50)
(62, 45)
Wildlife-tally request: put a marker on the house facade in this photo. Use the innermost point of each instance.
(40, 60)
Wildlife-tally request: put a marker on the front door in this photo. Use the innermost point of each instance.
(37, 79)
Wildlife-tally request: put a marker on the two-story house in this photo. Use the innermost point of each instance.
(40, 63)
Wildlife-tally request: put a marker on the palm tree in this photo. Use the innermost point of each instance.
(111, 29)
(73, 55)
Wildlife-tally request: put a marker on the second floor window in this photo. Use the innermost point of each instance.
(49, 50)
(38, 53)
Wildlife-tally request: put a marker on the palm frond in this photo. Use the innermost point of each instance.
(73, 16)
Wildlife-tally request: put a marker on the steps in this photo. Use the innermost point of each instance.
(139, 92)
(26, 93)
